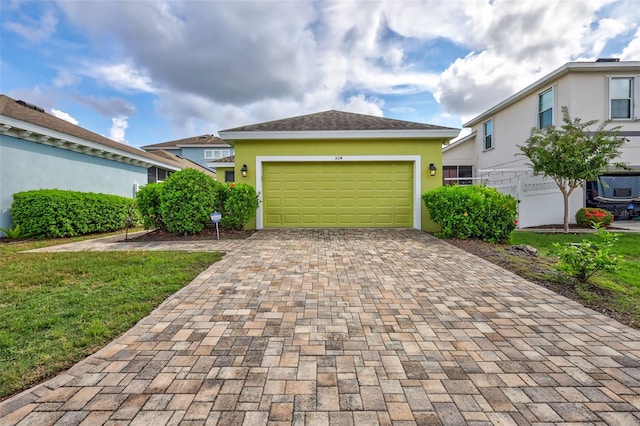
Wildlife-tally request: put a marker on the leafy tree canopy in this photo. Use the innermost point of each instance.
(572, 154)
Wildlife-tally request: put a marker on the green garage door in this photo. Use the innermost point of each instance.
(338, 194)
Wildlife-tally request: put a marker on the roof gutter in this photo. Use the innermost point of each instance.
(34, 133)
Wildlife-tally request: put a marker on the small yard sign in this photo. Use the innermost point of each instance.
(215, 218)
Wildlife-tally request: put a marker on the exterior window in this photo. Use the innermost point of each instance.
(545, 109)
(452, 175)
(488, 135)
(229, 176)
(621, 97)
(155, 174)
(216, 153)
(152, 175)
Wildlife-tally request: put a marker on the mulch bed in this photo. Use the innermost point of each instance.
(208, 233)
(516, 261)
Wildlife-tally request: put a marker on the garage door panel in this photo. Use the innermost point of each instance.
(349, 194)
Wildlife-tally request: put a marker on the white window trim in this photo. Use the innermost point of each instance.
(416, 159)
(208, 154)
(552, 89)
(484, 136)
(635, 97)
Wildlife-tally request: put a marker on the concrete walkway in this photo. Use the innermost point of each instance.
(341, 327)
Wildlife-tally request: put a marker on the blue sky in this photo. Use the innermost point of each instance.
(143, 72)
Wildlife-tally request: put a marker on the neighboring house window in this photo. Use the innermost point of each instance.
(488, 134)
(229, 176)
(452, 175)
(216, 153)
(621, 97)
(545, 109)
(155, 174)
(152, 175)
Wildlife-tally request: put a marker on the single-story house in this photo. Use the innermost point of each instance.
(340, 169)
(41, 151)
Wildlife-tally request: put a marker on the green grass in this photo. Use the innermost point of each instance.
(57, 308)
(622, 287)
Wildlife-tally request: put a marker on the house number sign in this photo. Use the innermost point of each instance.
(337, 157)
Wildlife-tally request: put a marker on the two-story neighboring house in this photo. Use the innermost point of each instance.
(207, 150)
(603, 90)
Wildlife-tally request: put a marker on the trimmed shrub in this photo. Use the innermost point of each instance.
(148, 201)
(589, 217)
(54, 213)
(587, 258)
(187, 199)
(239, 205)
(472, 211)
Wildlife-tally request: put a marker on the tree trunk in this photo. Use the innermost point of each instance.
(565, 196)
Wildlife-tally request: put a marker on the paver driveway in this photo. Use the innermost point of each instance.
(352, 327)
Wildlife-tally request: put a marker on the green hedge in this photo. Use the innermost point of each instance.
(239, 204)
(187, 199)
(148, 201)
(472, 211)
(184, 203)
(54, 213)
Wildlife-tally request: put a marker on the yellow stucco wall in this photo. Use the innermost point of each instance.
(429, 150)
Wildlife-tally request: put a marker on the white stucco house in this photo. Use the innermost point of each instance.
(604, 90)
(41, 151)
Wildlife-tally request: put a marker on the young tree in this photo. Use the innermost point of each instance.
(572, 154)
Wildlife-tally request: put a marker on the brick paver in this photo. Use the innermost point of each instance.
(353, 327)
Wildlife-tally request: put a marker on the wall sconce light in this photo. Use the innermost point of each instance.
(244, 170)
(432, 169)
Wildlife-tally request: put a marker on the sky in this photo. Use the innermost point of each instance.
(144, 72)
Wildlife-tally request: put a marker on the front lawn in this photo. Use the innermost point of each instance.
(57, 308)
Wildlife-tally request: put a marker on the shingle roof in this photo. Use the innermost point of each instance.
(9, 107)
(192, 141)
(230, 159)
(183, 163)
(335, 120)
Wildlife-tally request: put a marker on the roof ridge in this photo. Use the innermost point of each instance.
(335, 120)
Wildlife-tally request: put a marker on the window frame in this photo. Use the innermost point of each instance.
(460, 180)
(541, 112)
(487, 136)
(214, 154)
(632, 96)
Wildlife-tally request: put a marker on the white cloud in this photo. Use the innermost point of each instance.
(118, 129)
(125, 77)
(63, 115)
(632, 51)
(363, 105)
(65, 79)
(34, 30)
(215, 65)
